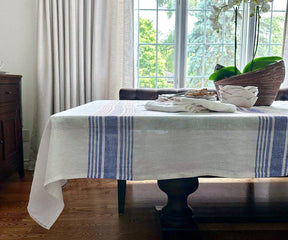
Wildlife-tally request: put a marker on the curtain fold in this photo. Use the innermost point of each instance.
(85, 53)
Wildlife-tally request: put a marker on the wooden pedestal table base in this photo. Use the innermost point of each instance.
(177, 213)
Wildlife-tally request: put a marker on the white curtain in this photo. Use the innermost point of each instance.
(85, 53)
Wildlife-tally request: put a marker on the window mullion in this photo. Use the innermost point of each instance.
(181, 36)
(177, 47)
(270, 32)
(137, 62)
(204, 45)
(245, 45)
(157, 39)
(251, 34)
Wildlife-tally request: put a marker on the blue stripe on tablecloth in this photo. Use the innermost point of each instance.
(285, 161)
(279, 145)
(111, 147)
(265, 145)
(250, 110)
(129, 148)
(263, 141)
(100, 148)
(132, 147)
(271, 145)
(94, 147)
(268, 142)
(258, 147)
(89, 148)
(261, 145)
(110, 139)
(124, 149)
(121, 174)
(254, 110)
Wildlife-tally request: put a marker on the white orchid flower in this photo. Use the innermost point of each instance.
(263, 5)
(265, 8)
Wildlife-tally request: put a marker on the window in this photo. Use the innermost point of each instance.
(175, 45)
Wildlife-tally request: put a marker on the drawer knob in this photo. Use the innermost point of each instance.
(8, 92)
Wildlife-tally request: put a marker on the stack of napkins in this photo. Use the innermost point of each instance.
(240, 96)
(184, 104)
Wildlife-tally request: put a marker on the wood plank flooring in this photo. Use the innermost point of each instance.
(91, 210)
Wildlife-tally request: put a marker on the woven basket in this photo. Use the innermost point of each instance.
(268, 81)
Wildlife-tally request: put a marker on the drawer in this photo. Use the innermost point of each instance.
(9, 93)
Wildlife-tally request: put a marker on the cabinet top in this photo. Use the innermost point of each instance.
(9, 79)
(8, 75)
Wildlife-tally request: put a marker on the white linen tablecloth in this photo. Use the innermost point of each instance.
(122, 140)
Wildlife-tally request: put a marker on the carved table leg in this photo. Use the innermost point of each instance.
(177, 213)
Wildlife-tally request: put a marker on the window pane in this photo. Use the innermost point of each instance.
(155, 45)
(271, 30)
(166, 60)
(210, 3)
(202, 4)
(219, 54)
(147, 60)
(194, 82)
(208, 83)
(147, 82)
(147, 27)
(212, 57)
(279, 5)
(211, 35)
(165, 82)
(148, 4)
(228, 55)
(276, 50)
(166, 27)
(204, 47)
(196, 23)
(277, 27)
(194, 60)
(229, 27)
(263, 50)
(167, 4)
(196, 4)
(265, 26)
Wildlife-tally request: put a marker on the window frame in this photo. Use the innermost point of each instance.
(181, 33)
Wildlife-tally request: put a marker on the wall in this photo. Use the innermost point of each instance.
(18, 51)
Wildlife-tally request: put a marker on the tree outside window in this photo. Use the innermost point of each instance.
(156, 57)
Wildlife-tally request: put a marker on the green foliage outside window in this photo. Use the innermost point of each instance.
(201, 58)
(147, 58)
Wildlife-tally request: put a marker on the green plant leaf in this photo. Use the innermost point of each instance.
(224, 73)
(260, 63)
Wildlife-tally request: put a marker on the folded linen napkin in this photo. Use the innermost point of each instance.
(184, 104)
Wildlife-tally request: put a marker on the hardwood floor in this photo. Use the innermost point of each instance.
(91, 210)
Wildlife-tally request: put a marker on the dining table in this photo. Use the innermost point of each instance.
(120, 139)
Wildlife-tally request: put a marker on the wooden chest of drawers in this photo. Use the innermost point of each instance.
(11, 145)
